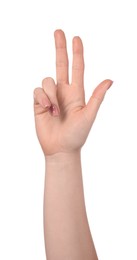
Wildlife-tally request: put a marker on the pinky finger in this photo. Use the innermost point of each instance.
(41, 98)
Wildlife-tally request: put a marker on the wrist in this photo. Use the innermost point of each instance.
(63, 157)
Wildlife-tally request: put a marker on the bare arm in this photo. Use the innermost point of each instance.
(67, 233)
(63, 121)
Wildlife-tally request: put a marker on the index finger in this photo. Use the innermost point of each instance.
(61, 57)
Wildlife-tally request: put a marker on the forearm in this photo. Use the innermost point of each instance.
(66, 229)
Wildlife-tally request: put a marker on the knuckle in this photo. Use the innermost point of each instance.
(97, 98)
(78, 67)
(61, 64)
(47, 80)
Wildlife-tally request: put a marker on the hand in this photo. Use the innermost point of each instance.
(62, 118)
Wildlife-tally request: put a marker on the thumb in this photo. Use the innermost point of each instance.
(96, 99)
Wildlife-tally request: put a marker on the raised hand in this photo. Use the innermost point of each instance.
(62, 118)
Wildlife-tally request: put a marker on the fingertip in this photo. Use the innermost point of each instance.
(110, 84)
(58, 33)
(104, 85)
(76, 37)
(107, 83)
(60, 39)
(58, 30)
(77, 44)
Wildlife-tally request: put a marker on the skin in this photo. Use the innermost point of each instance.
(63, 121)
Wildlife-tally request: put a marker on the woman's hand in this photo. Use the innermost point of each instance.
(62, 118)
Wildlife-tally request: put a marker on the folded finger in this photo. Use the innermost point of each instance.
(41, 98)
(50, 89)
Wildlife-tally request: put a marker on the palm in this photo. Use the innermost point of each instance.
(69, 130)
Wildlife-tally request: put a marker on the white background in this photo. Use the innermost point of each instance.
(27, 55)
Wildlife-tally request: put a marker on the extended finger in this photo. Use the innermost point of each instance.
(61, 57)
(96, 99)
(78, 62)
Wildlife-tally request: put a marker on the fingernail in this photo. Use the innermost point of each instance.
(46, 104)
(54, 110)
(109, 84)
